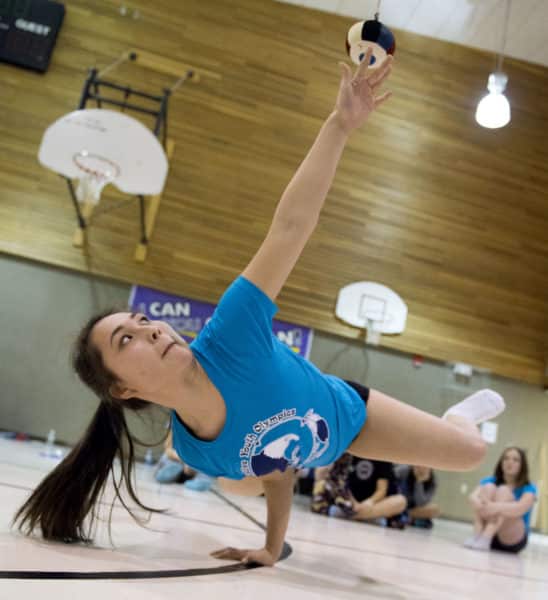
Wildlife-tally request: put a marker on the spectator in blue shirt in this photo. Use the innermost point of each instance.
(502, 505)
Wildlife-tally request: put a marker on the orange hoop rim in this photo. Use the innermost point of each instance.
(97, 174)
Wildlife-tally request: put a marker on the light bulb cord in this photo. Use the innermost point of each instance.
(500, 56)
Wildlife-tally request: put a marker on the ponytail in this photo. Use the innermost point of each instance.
(64, 499)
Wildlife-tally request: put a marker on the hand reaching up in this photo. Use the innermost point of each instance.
(357, 98)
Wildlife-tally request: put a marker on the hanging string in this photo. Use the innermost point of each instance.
(125, 56)
(378, 10)
(500, 57)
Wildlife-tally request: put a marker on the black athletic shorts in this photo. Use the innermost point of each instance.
(496, 544)
(361, 389)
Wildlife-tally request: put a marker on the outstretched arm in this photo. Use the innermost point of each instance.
(299, 208)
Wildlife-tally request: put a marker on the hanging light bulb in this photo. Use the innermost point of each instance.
(493, 110)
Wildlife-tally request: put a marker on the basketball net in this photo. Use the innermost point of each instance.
(97, 171)
(373, 332)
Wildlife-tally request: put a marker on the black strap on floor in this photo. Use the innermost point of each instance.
(159, 574)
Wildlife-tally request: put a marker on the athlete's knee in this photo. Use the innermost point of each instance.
(480, 450)
(474, 454)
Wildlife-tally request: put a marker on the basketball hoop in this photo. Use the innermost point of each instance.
(99, 146)
(372, 306)
(97, 171)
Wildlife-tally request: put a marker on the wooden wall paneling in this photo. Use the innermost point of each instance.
(450, 215)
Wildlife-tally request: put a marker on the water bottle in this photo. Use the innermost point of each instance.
(50, 443)
(149, 458)
(50, 451)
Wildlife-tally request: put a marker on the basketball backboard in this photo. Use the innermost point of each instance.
(371, 306)
(99, 146)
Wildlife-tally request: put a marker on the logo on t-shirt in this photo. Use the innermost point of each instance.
(363, 470)
(284, 440)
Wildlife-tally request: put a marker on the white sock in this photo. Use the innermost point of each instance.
(482, 543)
(469, 542)
(479, 407)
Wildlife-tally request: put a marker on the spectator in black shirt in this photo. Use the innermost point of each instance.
(359, 489)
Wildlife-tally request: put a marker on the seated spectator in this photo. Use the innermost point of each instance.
(418, 485)
(359, 489)
(171, 469)
(502, 505)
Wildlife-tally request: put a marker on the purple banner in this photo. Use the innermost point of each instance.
(188, 317)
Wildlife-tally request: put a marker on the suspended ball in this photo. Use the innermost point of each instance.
(365, 34)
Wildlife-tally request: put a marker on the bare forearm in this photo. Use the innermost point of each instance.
(305, 194)
(509, 509)
(376, 497)
(279, 495)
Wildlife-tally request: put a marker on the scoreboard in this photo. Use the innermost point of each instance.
(28, 31)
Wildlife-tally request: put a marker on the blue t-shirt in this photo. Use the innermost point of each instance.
(518, 493)
(281, 411)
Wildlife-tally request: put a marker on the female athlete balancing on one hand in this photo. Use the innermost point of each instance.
(244, 406)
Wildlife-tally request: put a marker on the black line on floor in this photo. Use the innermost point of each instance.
(163, 574)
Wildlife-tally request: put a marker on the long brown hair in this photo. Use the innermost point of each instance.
(523, 475)
(65, 497)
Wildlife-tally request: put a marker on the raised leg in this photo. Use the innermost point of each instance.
(400, 433)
